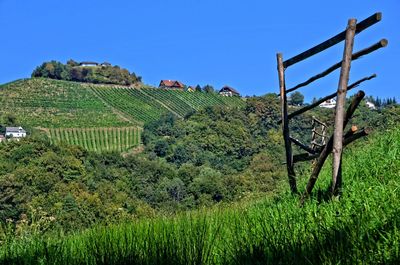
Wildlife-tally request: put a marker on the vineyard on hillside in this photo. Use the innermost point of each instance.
(56, 104)
(98, 139)
(149, 104)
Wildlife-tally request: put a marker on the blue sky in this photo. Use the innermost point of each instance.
(217, 42)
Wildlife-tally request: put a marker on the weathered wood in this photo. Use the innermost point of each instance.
(348, 139)
(328, 147)
(340, 103)
(332, 41)
(285, 125)
(317, 133)
(382, 43)
(318, 121)
(318, 102)
(302, 146)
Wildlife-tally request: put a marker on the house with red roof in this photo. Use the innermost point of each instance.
(229, 91)
(171, 84)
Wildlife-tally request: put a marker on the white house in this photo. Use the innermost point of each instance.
(15, 132)
(88, 64)
(370, 105)
(330, 104)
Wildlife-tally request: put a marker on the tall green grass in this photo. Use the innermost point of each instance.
(360, 228)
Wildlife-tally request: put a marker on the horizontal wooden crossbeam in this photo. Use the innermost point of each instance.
(380, 44)
(333, 41)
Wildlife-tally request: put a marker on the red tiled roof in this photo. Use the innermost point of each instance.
(231, 89)
(171, 83)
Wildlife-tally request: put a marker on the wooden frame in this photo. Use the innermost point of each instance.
(335, 144)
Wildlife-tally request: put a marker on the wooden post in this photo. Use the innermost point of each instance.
(340, 103)
(328, 147)
(285, 125)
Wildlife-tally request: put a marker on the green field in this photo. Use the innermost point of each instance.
(148, 104)
(48, 103)
(98, 139)
(56, 104)
(360, 228)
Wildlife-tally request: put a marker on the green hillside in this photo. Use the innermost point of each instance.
(98, 139)
(148, 104)
(48, 103)
(360, 228)
(57, 106)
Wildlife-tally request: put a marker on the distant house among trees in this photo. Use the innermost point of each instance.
(329, 104)
(15, 132)
(191, 89)
(171, 84)
(88, 64)
(370, 105)
(228, 91)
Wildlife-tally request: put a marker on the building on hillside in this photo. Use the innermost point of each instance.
(15, 132)
(370, 105)
(191, 89)
(171, 84)
(88, 64)
(228, 91)
(2, 138)
(329, 104)
(105, 64)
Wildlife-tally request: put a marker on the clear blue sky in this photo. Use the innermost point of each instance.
(215, 42)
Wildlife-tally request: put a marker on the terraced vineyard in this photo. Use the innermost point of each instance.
(98, 139)
(146, 105)
(98, 118)
(56, 104)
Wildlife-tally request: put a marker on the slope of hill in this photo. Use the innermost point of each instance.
(363, 226)
(75, 107)
(56, 104)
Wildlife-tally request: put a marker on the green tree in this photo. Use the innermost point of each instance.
(296, 99)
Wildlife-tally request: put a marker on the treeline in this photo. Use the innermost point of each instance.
(73, 71)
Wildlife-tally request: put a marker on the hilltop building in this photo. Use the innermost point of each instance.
(171, 84)
(88, 64)
(15, 132)
(228, 91)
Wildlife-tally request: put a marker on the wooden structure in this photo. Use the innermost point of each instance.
(321, 146)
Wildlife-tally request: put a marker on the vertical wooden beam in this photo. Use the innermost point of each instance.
(340, 104)
(285, 125)
(328, 147)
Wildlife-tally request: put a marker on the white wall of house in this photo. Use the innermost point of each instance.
(15, 134)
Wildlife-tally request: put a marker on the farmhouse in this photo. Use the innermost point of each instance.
(370, 105)
(171, 84)
(329, 104)
(191, 89)
(15, 132)
(228, 91)
(88, 64)
(105, 64)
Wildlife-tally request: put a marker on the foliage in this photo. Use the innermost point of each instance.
(296, 98)
(55, 104)
(72, 71)
(361, 226)
(98, 139)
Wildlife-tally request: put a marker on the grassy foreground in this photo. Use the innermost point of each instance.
(361, 228)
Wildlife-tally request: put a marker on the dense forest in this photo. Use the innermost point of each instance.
(103, 73)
